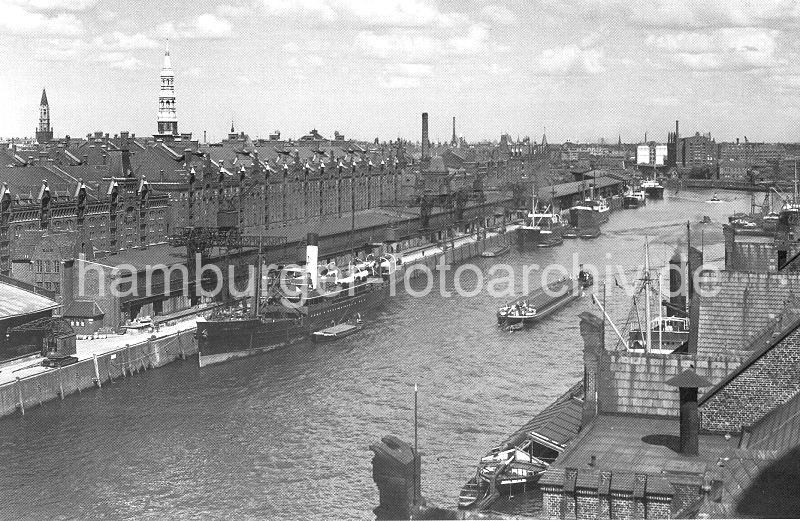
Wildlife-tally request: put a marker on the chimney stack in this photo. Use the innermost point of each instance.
(425, 143)
(688, 382)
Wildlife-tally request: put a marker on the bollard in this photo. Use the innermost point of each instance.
(21, 400)
(77, 381)
(96, 372)
(60, 383)
(128, 360)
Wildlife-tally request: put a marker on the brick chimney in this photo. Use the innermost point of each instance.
(425, 144)
(688, 382)
(592, 333)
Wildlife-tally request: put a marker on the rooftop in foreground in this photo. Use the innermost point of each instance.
(636, 443)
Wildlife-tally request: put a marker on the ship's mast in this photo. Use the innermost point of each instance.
(257, 292)
(794, 201)
(648, 340)
(660, 313)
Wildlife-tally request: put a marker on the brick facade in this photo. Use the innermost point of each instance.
(589, 494)
(767, 381)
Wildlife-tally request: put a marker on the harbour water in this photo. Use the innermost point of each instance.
(286, 434)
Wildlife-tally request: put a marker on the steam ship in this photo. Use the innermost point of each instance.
(297, 303)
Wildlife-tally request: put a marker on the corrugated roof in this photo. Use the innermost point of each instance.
(15, 302)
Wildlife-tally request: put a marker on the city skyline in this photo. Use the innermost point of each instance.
(368, 69)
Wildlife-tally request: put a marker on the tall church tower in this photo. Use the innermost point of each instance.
(167, 116)
(44, 132)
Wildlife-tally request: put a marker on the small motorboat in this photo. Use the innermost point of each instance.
(715, 199)
(333, 333)
(496, 252)
(705, 220)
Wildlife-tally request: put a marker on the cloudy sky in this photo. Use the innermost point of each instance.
(580, 69)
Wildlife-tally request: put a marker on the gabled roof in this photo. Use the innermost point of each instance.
(735, 307)
(779, 430)
(83, 309)
(789, 329)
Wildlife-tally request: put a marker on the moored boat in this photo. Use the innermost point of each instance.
(297, 303)
(496, 251)
(330, 334)
(653, 189)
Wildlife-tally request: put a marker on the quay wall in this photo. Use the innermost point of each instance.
(714, 184)
(25, 393)
(457, 254)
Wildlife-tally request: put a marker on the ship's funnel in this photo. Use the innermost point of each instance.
(312, 258)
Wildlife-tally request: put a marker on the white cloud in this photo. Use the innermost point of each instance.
(413, 45)
(315, 60)
(472, 42)
(499, 14)
(399, 82)
(15, 19)
(291, 47)
(370, 13)
(730, 48)
(205, 26)
(571, 59)
(301, 8)
(55, 5)
(233, 11)
(409, 69)
(120, 40)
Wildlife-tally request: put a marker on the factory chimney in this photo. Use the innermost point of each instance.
(688, 382)
(454, 141)
(425, 143)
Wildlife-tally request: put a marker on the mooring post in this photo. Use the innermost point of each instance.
(128, 360)
(60, 383)
(21, 400)
(96, 371)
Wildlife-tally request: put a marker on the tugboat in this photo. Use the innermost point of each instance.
(496, 251)
(653, 189)
(297, 303)
(539, 304)
(570, 232)
(634, 199)
(552, 230)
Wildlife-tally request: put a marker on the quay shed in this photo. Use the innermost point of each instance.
(20, 304)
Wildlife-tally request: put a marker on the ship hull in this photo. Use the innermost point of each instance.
(222, 340)
(654, 192)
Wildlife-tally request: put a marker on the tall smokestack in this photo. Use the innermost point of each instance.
(312, 257)
(688, 382)
(425, 144)
(676, 130)
(455, 139)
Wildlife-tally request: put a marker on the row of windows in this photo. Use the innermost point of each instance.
(47, 266)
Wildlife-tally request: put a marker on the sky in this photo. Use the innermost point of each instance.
(580, 70)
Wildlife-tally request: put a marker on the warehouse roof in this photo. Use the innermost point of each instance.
(17, 302)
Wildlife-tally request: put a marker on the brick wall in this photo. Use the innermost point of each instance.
(765, 384)
(587, 504)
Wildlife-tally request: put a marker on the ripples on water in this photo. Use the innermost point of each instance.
(286, 434)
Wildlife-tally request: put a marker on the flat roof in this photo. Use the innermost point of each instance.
(16, 302)
(644, 444)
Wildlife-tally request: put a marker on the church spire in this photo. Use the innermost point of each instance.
(167, 115)
(44, 132)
